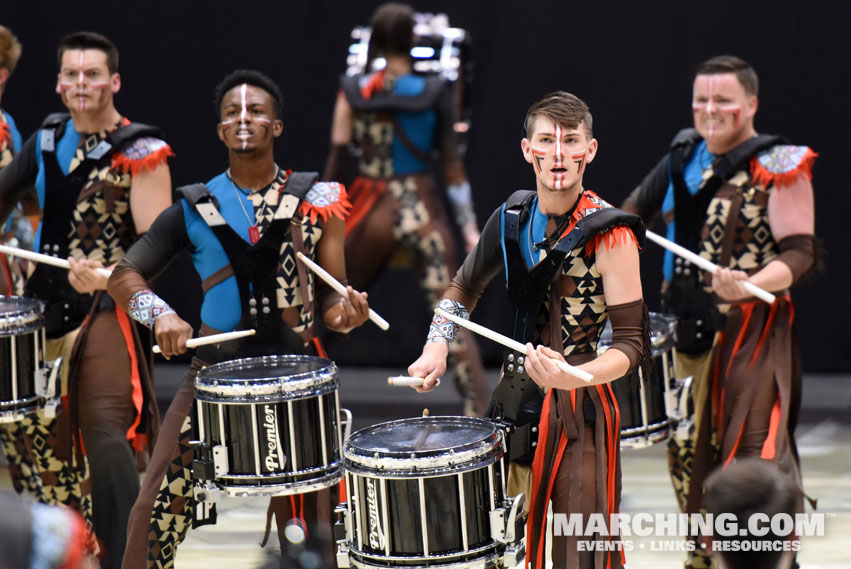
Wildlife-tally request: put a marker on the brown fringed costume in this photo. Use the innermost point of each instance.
(559, 302)
(744, 355)
(109, 410)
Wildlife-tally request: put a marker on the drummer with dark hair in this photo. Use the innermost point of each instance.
(243, 230)
(570, 261)
(400, 122)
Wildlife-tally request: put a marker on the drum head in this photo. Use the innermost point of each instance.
(424, 444)
(277, 377)
(19, 315)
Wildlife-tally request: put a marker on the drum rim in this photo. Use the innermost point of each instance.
(419, 464)
(29, 318)
(295, 386)
(440, 560)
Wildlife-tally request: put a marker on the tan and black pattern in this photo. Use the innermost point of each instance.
(752, 245)
(19, 454)
(174, 506)
(372, 134)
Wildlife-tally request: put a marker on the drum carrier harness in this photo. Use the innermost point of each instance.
(517, 400)
(255, 268)
(66, 308)
(685, 296)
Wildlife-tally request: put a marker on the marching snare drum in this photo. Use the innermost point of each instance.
(25, 378)
(429, 492)
(645, 415)
(268, 426)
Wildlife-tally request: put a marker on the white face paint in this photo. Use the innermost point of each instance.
(243, 135)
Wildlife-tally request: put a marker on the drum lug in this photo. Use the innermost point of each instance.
(46, 377)
(342, 534)
(514, 555)
(220, 460)
(206, 495)
(343, 561)
(46, 384)
(507, 521)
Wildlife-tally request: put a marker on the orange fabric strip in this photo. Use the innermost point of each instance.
(769, 449)
(610, 455)
(538, 464)
(135, 380)
(363, 195)
(732, 455)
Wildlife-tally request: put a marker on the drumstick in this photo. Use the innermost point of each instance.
(405, 380)
(338, 286)
(513, 344)
(705, 265)
(46, 259)
(212, 339)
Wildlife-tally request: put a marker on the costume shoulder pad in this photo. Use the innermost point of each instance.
(144, 153)
(326, 199)
(782, 164)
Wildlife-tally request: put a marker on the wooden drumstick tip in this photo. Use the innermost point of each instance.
(425, 412)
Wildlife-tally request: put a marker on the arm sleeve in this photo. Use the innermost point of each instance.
(646, 199)
(480, 267)
(629, 330)
(18, 178)
(150, 255)
(801, 254)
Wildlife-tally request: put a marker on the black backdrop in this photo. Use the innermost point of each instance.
(631, 61)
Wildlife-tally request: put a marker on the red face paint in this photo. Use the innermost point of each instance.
(579, 160)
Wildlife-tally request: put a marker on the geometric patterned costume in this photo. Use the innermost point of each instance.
(747, 377)
(83, 182)
(396, 130)
(557, 292)
(276, 299)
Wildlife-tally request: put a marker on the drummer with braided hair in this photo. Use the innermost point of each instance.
(243, 230)
(571, 261)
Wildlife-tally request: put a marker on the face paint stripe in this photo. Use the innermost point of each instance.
(244, 110)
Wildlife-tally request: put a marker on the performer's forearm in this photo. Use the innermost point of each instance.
(775, 276)
(125, 281)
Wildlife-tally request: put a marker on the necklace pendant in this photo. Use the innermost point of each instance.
(254, 234)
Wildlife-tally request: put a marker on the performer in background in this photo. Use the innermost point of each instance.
(399, 122)
(745, 202)
(101, 181)
(17, 226)
(245, 256)
(571, 261)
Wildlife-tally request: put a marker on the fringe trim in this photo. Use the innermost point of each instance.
(5, 134)
(617, 235)
(339, 208)
(764, 178)
(375, 83)
(123, 164)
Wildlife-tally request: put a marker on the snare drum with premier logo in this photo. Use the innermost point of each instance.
(429, 492)
(268, 426)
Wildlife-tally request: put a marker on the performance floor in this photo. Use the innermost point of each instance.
(824, 440)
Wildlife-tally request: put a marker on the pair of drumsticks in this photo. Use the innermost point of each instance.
(384, 325)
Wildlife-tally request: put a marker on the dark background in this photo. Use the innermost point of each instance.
(631, 62)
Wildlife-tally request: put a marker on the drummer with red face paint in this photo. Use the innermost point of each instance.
(242, 230)
(743, 201)
(101, 180)
(571, 261)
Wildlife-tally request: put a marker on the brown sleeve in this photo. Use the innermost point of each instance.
(628, 330)
(482, 264)
(125, 281)
(799, 253)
